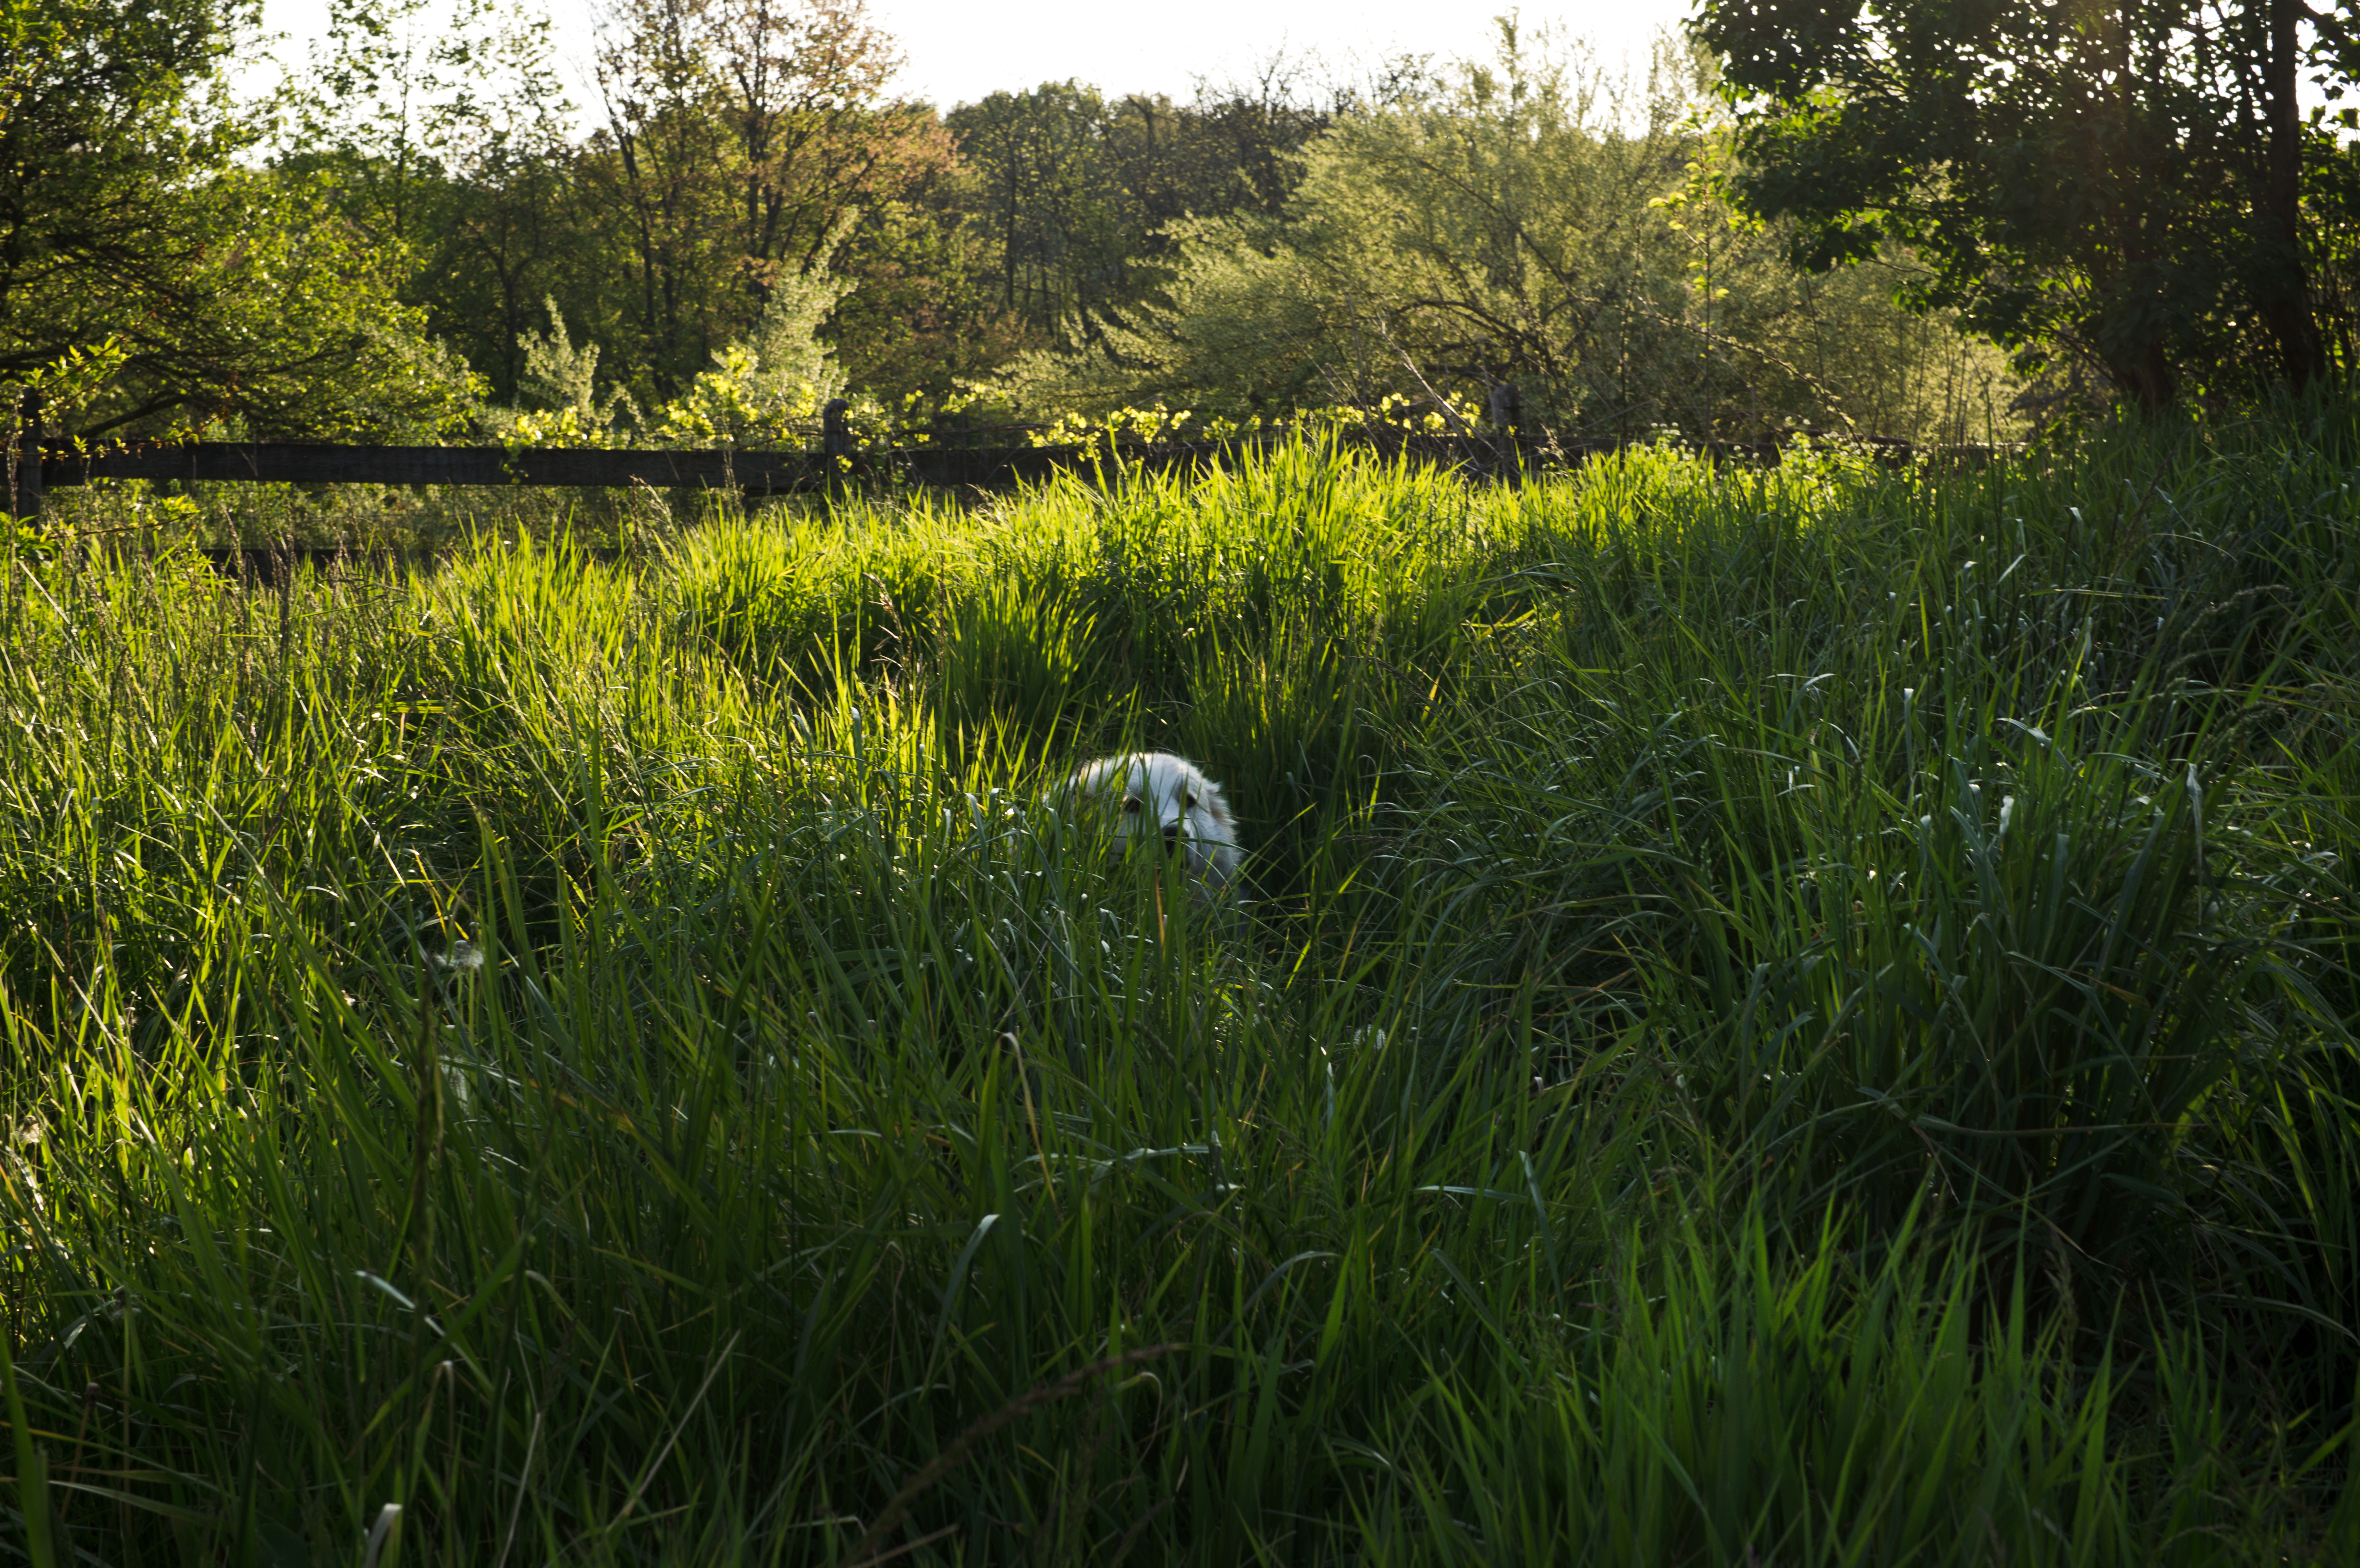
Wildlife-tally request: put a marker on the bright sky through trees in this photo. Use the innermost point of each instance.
(959, 51)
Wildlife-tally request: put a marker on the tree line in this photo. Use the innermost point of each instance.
(1913, 220)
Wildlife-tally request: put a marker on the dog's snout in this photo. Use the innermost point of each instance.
(1171, 836)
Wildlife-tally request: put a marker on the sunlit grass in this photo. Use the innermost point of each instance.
(1777, 1018)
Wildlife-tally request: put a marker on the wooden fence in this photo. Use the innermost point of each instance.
(39, 469)
(749, 472)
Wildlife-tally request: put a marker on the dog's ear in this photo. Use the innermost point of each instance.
(1216, 803)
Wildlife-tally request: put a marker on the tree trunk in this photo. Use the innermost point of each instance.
(2281, 284)
(2144, 375)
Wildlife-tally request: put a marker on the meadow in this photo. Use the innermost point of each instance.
(1781, 1017)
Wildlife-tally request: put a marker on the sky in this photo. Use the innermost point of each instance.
(959, 51)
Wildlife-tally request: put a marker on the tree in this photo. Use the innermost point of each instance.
(1073, 193)
(1044, 192)
(923, 315)
(441, 133)
(740, 135)
(183, 286)
(1524, 224)
(762, 390)
(2122, 181)
(816, 132)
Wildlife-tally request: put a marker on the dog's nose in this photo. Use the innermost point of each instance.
(1170, 837)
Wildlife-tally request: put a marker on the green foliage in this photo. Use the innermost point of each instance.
(740, 139)
(746, 146)
(1525, 236)
(741, 145)
(1073, 192)
(1010, 664)
(1517, 235)
(132, 240)
(770, 388)
(1058, 219)
(443, 134)
(920, 320)
(1720, 1065)
(765, 391)
(558, 390)
(2126, 186)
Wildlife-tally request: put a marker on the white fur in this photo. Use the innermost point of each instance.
(1158, 795)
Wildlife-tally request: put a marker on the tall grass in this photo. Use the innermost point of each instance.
(1790, 1016)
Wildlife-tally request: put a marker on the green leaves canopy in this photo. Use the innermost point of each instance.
(1531, 225)
(169, 285)
(2123, 181)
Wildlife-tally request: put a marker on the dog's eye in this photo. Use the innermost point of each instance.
(1130, 802)
(1189, 801)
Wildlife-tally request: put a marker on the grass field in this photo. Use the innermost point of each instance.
(1782, 1018)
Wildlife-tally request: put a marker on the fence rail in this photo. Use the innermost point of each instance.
(291, 464)
(752, 472)
(39, 469)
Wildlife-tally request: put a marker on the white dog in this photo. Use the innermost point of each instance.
(1171, 796)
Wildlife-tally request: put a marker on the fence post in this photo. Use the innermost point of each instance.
(835, 432)
(25, 501)
(1507, 416)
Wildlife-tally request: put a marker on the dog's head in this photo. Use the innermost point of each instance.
(1158, 796)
